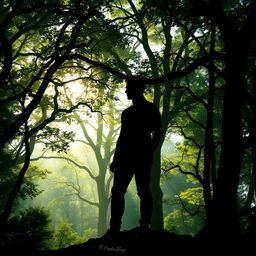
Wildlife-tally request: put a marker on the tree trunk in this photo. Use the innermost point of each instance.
(157, 215)
(16, 187)
(102, 218)
(209, 150)
(225, 222)
(103, 205)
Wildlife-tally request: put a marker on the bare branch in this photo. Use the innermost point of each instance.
(82, 141)
(78, 193)
(187, 137)
(192, 119)
(177, 166)
(83, 167)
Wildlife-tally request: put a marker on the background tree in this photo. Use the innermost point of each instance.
(22, 94)
(102, 148)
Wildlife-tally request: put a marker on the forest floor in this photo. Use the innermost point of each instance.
(133, 242)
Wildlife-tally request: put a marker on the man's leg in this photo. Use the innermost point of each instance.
(122, 179)
(142, 178)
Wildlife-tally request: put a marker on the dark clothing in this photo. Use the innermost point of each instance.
(140, 134)
(122, 179)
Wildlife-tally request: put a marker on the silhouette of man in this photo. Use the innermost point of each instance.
(141, 132)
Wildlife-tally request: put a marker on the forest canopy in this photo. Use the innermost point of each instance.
(62, 69)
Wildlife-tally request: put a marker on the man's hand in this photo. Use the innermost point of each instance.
(113, 166)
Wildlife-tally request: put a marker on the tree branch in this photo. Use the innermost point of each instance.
(173, 75)
(78, 193)
(83, 167)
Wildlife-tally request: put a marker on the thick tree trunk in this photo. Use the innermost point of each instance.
(209, 150)
(225, 221)
(103, 200)
(102, 217)
(16, 187)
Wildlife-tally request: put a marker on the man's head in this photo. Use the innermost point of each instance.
(135, 87)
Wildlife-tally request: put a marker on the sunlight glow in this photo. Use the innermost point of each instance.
(75, 86)
(176, 138)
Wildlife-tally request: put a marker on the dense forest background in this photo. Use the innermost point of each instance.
(62, 70)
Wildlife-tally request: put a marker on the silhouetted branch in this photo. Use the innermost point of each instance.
(185, 207)
(192, 119)
(196, 167)
(185, 136)
(177, 166)
(173, 75)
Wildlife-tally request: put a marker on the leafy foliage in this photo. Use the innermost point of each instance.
(55, 139)
(180, 222)
(8, 176)
(65, 235)
(29, 229)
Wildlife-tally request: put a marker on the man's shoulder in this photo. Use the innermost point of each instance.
(149, 106)
(127, 110)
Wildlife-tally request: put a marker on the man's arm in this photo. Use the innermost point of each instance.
(157, 130)
(115, 162)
